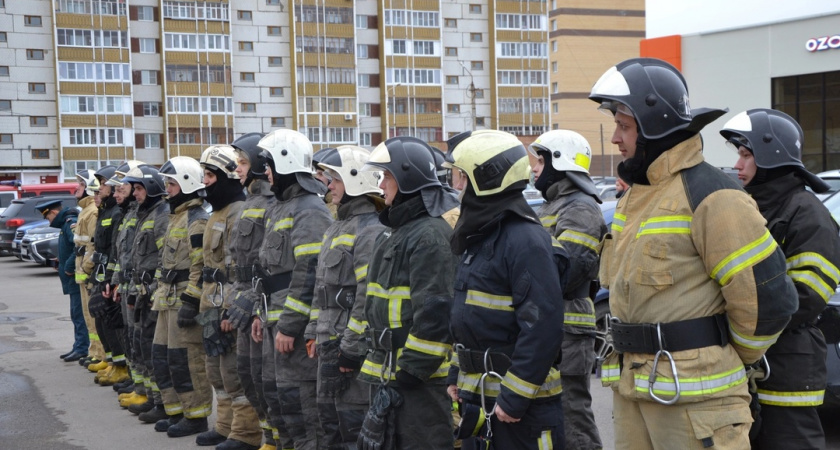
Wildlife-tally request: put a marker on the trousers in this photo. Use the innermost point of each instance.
(235, 417)
(81, 339)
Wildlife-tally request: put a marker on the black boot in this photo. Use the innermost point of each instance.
(143, 407)
(127, 389)
(187, 427)
(165, 424)
(123, 384)
(233, 444)
(153, 415)
(207, 438)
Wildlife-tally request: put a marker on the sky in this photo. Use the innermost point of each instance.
(667, 17)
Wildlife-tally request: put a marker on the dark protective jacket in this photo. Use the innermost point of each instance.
(508, 299)
(575, 220)
(182, 256)
(152, 220)
(808, 236)
(124, 246)
(104, 238)
(64, 221)
(410, 292)
(248, 234)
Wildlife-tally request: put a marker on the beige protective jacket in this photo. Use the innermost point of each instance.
(83, 237)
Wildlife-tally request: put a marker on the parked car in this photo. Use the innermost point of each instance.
(832, 177)
(40, 245)
(21, 232)
(22, 211)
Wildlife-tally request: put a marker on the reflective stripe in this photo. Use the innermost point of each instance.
(586, 320)
(105, 222)
(665, 225)
(520, 386)
(193, 291)
(804, 398)
(81, 238)
(548, 221)
(314, 314)
(81, 277)
(489, 301)
(197, 255)
(375, 370)
(112, 266)
(148, 225)
(361, 272)
(297, 306)
(744, 257)
(610, 372)
(356, 326)
(492, 386)
(312, 248)
(273, 315)
(555, 242)
(618, 222)
(93, 336)
(690, 387)
(284, 224)
(395, 296)
(545, 442)
(345, 239)
(173, 408)
(428, 347)
(254, 213)
(198, 412)
(813, 281)
(583, 239)
(157, 273)
(159, 243)
(119, 358)
(814, 260)
(753, 342)
(178, 233)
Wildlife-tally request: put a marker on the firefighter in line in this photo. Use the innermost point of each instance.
(769, 146)
(697, 284)
(83, 238)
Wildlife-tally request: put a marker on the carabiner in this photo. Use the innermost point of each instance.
(487, 414)
(766, 364)
(652, 377)
(386, 367)
(220, 289)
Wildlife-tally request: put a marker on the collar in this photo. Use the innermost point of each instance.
(356, 206)
(560, 189)
(260, 187)
(83, 203)
(775, 192)
(396, 216)
(671, 162)
(192, 203)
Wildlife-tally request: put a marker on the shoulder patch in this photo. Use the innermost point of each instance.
(702, 180)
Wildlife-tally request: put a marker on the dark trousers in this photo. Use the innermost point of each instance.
(540, 428)
(81, 340)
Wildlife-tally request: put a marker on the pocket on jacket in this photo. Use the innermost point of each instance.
(657, 279)
(724, 427)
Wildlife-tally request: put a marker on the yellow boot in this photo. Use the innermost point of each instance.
(134, 399)
(102, 374)
(98, 366)
(126, 395)
(268, 447)
(118, 375)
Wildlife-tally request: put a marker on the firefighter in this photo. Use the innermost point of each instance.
(237, 426)
(697, 284)
(407, 303)
(295, 226)
(337, 316)
(320, 175)
(83, 238)
(572, 216)
(769, 146)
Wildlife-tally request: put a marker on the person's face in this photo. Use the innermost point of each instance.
(97, 199)
(321, 176)
(745, 165)
(625, 135)
(336, 186)
(243, 166)
(80, 189)
(459, 179)
(209, 177)
(172, 188)
(121, 192)
(389, 187)
(50, 215)
(104, 191)
(139, 193)
(269, 175)
(538, 166)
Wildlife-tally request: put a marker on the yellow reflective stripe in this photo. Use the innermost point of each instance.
(105, 222)
(520, 386)
(148, 225)
(555, 242)
(545, 442)
(273, 315)
(618, 222)
(197, 255)
(804, 398)
(159, 242)
(813, 281)
(665, 225)
(297, 306)
(548, 221)
(610, 372)
(428, 347)
(312, 248)
(100, 277)
(112, 266)
(131, 223)
(579, 319)
(346, 240)
(157, 273)
(395, 297)
(314, 314)
(356, 326)
(93, 336)
(583, 239)
(753, 342)
(375, 370)
(81, 277)
(814, 260)
(284, 224)
(692, 387)
(253, 213)
(178, 233)
(198, 412)
(746, 256)
(118, 358)
(173, 408)
(492, 386)
(193, 291)
(361, 272)
(489, 301)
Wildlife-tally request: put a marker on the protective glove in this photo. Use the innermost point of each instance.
(333, 381)
(97, 305)
(347, 362)
(188, 311)
(216, 342)
(241, 310)
(379, 427)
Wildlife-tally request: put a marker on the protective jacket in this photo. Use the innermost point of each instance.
(507, 301)
(124, 246)
(409, 292)
(248, 234)
(218, 276)
(64, 221)
(182, 256)
(575, 220)
(83, 238)
(104, 238)
(691, 245)
(152, 220)
(808, 236)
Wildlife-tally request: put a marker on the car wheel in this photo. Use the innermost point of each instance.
(603, 339)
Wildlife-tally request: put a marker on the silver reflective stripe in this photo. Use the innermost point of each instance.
(702, 385)
(744, 257)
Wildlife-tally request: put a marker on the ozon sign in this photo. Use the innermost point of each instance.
(823, 43)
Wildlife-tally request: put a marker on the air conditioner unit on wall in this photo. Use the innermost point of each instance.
(348, 117)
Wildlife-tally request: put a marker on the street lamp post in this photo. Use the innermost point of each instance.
(387, 109)
(470, 93)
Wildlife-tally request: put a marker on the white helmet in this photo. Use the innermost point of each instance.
(570, 152)
(88, 177)
(220, 157)
(123, 168)
(289, 150)
(186, 172)
(347, 161)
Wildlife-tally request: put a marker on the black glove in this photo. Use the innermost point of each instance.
(130, 300)
(188, 311)
(408, 380)
(241, 310)
(333, 381)
(347, 362)
(97, 304)
(379, 428)
(216, 342)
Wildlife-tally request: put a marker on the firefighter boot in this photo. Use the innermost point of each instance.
(153, 415)
(233, 444)
(97, 366)
(123, 384)
(169, 422)
(120, 373)
(268, 447)
(142, 407)
(187, 427)
(102, 374)
(135, 399)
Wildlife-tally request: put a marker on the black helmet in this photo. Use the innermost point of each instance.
(409, 160)
(247, 144)
(149, 177)
(441, 171)
(775, 140)
(105, 173)
(656, 95)
(322, 155)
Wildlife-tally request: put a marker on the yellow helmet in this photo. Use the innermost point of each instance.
(493, 160)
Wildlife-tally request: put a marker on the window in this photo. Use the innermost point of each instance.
(477, 65)
(152, 140)
(278, 122)
(37, 88)
(148, 77)
(32, 21)
(274, 31)
(366, 139)
(146, 13)
(555, 108)
(37, 121)
(479, 93)
(554, 88)
(34, 54)
(479, 121)
(5, 105)
(475, 9)
(275, 91)
(4, 70)
(272, 2)
(398, 47)
(362, 51)
(451, 51)
(361, 22)
(450, 23)
(246, 46)
(244, 15)
(451, 79)
(147, 45)
(453, 108)
(6, 138)
(3, 36)
(275, 61)
(151, 109)
(475, 37)
(424, 48)
(365, 80)
(246, 76)
(249, 107)
(553, 46)
(39, 153)
(554, 66)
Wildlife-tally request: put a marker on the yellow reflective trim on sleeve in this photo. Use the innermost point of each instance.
(489, 301)
(197, 255)
(148, 225)
(273, 315)
(356, 326)
(81, 239)
(313, 248)
(618, 222)
(428, 347)
(577, 237)
(157, 273)
(284, 224)
(520, 386)
(813, 281)
(178, 233)
(753, 342)
(81, 277)
(159, 242)
(314, 314)
(105, 222)
(297, 306)
(812, 259)
(346, 240)
(548, 221)
(111, 266)
(578, 319)
(193, 291)
(665, 225)
(746, 256)
(395, 296)
(694, 386)
(375, 370)
(361, 272)
(804, 398)
(253, 213)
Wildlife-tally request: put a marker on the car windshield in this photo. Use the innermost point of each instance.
(13, 209)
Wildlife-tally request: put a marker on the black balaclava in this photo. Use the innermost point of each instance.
(180, 199)
(549, 175)
(634, 170)
(224, 191)
(402, 197)
(281, 182)
(478, 213)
